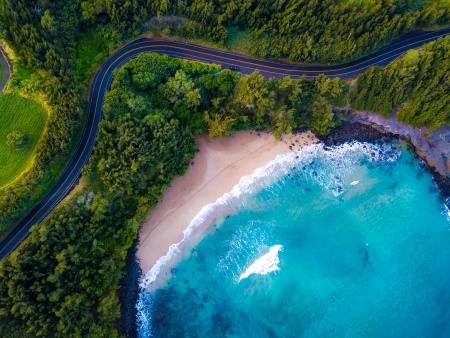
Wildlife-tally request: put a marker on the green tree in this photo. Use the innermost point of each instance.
(219, 124)
(254, 91)
(322, 118)
(284, 121)
(178, 87)
(416, 86)
(16, 140)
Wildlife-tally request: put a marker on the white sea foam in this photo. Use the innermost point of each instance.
(246, 243)
(340, 159)
(265, 264)
(447, 208)
(144, 318)
(205, 217)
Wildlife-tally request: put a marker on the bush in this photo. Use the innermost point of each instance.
(16, 139)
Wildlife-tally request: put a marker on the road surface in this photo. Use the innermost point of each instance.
(6, 69)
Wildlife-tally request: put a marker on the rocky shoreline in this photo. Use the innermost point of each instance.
(433, 148)
(128, 294)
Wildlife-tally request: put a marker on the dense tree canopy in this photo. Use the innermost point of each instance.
(418, 85)
(325, 30)
(219, 102)
(63, 280)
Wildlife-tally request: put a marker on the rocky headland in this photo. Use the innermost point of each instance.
(433, 147)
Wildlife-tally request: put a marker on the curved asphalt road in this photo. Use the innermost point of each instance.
(6, 69)
(247, 64)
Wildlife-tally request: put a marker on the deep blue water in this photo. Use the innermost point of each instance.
(365, 251)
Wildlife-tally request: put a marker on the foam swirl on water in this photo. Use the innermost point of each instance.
(265, 264)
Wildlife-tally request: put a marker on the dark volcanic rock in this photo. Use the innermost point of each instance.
(432, 148)
(128, 294)
(355, 131)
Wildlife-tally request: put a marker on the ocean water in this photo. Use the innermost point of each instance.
(349, 241)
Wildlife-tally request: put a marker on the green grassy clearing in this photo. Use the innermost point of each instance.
(23, 80)
(27, 117)
(91, 48)
(238, 40)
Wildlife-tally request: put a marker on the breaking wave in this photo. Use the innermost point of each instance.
(265, 264)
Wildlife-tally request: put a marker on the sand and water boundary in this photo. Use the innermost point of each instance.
(215, 170)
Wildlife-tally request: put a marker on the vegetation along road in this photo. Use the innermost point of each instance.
(246, 64)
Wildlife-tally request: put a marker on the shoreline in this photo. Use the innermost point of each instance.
(356, 127)
(433, 148)
(221, 162)
(216, 169)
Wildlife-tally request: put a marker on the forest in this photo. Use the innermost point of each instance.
(326, 31)
(63, 281)
(45, 36)
(416, 87)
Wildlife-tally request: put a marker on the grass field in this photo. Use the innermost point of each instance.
(27, 117)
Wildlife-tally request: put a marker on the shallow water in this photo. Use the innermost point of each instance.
(329, 242)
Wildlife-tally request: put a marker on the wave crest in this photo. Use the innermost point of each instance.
(265, 264)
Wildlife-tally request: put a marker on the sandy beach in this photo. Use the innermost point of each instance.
(215, 170)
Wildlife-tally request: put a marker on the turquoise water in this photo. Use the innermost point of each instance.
(328, 242)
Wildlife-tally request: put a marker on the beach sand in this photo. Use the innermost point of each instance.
(214, 171)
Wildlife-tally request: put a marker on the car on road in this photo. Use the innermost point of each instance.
(234, 68)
